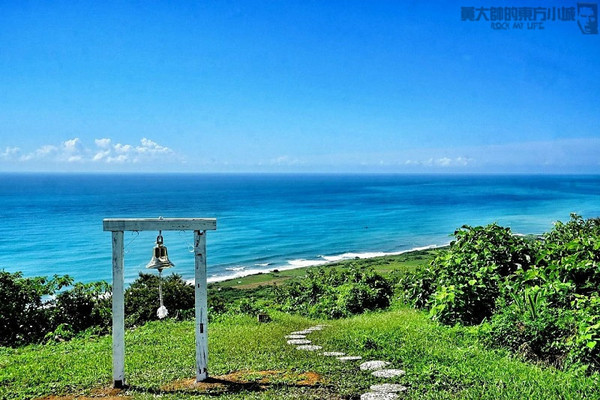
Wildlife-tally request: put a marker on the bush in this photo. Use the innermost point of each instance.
(142, 300)
(542, 297)
(335, 293)
(537, 335)
(24, 316)
(463, 283)
(36, 309)
(82, 307)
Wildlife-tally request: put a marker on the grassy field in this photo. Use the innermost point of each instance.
(383, 265)
(251, 360)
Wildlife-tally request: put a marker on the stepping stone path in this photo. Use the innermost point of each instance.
(388, 388)
(350, 358)
(383, 391)
(373, 365)
(378, 396)
(309, 347)
(388, 373)
(298, 341)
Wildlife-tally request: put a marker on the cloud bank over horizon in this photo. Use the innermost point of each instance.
(106, 154)
(74, 151)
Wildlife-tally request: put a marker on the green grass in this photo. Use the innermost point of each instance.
(441, 362)
(384, 265)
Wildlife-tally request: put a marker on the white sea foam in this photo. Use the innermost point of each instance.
(241, 268)
(241, 271)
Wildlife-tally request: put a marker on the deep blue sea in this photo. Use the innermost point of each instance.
(52, 223)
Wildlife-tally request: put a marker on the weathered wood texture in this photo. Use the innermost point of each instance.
(156, 224)
(201, 305)
(118, 309)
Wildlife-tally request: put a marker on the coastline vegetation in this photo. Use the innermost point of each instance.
(493, 316)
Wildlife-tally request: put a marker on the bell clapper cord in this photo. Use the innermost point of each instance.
(162, 310)
(160, 252)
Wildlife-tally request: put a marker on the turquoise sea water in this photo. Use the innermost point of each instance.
(52, 223)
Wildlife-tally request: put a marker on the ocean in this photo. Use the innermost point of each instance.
(52, 223)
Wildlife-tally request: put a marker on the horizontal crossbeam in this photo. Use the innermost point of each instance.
(159, 224)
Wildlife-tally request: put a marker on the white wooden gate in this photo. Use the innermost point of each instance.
(199, 226)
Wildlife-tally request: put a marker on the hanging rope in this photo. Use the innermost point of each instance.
(126, 247)
(162, 310)
(190, 245)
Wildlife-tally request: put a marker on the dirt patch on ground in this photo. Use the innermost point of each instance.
(231, 383)
(103, 393)
(244, 380)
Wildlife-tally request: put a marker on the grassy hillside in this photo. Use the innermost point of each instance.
(251, 360)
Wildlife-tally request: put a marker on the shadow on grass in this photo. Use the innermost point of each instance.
(236, 382)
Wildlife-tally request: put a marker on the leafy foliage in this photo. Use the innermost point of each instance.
(34, 309)
(23, 317)
(82, 307)
(335, 293)
(542, 298)
(38, 309)
(142, 299)
(463, 283)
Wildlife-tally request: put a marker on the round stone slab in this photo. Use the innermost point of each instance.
(388, 388)
(378, 396)
(388, 373)
(309, 347)
(304, 332)
(333, 354)
(315, 328)
(295, 336)
(373, 365)
(299, 341)
(350, 358)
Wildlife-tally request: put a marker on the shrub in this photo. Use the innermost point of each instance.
(25, 317)
(463, 283)
(537, 335)
(335, 293)
(82, 307)
(542, 297)
(142, 299)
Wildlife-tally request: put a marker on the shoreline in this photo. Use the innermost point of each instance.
(242, 272)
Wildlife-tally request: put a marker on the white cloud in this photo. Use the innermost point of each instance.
(42, 153)
(103, 143)
(104, 151)
(285, 161)
(443, 162)
(9, 153)
(120, 159)
(123, 148)
(72, 145)
(148, 146)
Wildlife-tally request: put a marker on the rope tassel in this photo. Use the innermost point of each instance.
(162, 311)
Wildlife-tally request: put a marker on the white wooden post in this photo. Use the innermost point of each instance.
(118, 309)
(201, 305)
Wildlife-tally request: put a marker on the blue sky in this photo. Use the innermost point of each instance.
(293, 86)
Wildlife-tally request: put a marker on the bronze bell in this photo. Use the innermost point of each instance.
(160, 258)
